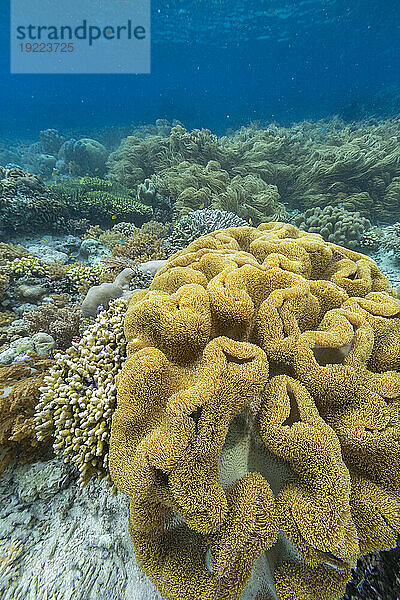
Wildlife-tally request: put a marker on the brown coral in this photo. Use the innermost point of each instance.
(20, 393)
(261, 392)
(61, 323)
(141, 247)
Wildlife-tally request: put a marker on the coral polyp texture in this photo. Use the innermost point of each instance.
(257, 428)
(79, 395)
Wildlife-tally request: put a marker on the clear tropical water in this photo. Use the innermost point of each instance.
(221, 64)
(277, 122)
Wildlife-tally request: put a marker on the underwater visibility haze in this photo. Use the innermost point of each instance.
(199, 300)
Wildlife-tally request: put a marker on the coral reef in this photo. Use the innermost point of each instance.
(138, 159)
(100, 201)
(98, 297)
(335, 224)
(79, 395)
(63, 324)
(8, 252)
(81, 275)
(194, 186)
(26, 204)
(19, 349)
(260, 393)
(141, 247)
(199, 223)
(377, 577)
(20, 385)
(26, 266)
(125, 229)
(82, 157)
(51, 141)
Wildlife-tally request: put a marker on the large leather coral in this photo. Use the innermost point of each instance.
(257, 422)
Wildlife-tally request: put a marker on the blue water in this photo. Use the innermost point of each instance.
(221, 64)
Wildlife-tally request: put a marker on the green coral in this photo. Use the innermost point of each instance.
(101, 200)
(27, 266)
(81, 274)
(194, 187)
(335, 224)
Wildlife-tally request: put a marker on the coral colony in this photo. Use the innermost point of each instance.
(211, 326)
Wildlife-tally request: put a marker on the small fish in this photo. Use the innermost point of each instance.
(201, 205)
(45, 240)
(54, 173)
(251, 222)
(113, 217)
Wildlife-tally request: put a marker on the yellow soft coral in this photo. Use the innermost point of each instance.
(260, 395)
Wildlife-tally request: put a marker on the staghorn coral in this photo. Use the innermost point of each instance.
(20, 385)
(79, 395)
(63, 324)
(335, 224)
(199, 223)
(260, 393)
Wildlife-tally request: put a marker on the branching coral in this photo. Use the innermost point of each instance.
(260, 393)
(20, 385)
(79, 395)
(27, 266)
(141, 247)
(9, 252)
(82, 275)
(336, 225)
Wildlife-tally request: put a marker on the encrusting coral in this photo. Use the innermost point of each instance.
(260, 395)
(79, 395)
